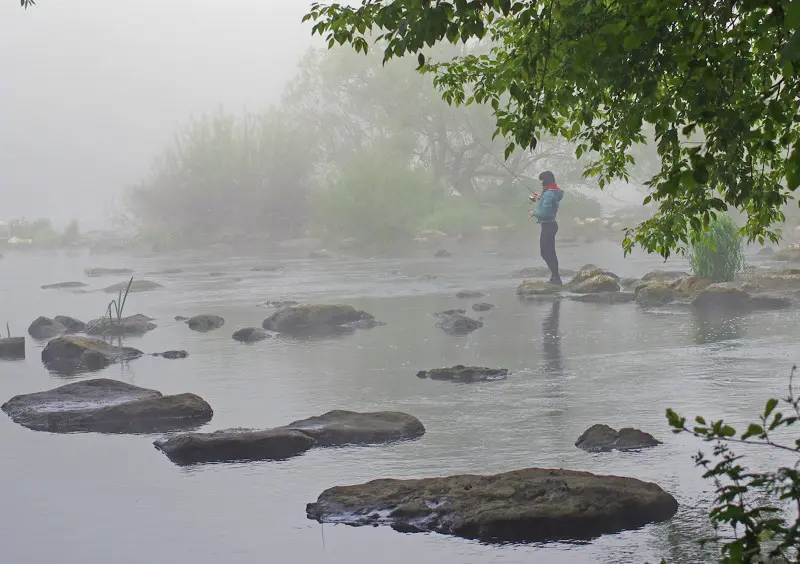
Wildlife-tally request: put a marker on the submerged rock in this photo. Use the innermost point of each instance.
(99, 271)
(71, 324)
(181, 318)
(12, 348)
(172, 355)
(268, 268)
(315, 320)
(43, 328)
(204, 323)
(132, 325)
(457, 323)
(482, 306)
(234, 445)
(727, 297)
(64, 286)
(460, 373)
(250, 335)
(333, 429)
(442, 253)
(532, 504)
(278, 304)
(602, 438)
(468, 294)
(136, 286)
(654, 294)
(320, 254)
(605, 298)
(71, 354)
(107, 406)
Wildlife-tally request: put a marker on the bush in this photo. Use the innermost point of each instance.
(377, 200)
(228, 175)
(719, 254)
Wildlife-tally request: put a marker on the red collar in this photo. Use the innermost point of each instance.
(552, 187)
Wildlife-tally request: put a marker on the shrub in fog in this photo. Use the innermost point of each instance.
(718, 254)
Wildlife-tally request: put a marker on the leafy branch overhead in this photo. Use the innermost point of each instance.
(717, 80)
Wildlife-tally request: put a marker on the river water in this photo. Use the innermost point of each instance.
(86, 498)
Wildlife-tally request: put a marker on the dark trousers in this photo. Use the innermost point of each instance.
(547, 246)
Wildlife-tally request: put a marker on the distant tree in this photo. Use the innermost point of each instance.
(717, 80)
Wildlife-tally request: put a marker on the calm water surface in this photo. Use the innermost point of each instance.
(90, 498)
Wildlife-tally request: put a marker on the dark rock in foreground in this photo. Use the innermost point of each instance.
(461, 373)
(234, 445)
(43, 328)
(64, 286)
(12, 348)
(205, 323)
(132, 325)
(99, 271)
(107, 406)
(250, 335)
(533, 504)
(338, 428)
(335, 428)
(318, 320)
(69, 354)
(71, 324)
(483, 306)
(602, 438)
(468, 294)
(442, 253)
(136, 286)
(457, 323)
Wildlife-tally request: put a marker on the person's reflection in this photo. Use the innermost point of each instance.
(551, 341)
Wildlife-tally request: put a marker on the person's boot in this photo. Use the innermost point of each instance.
(556, 281)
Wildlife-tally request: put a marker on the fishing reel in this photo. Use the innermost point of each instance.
(533, 198)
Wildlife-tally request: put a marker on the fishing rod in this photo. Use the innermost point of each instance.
(533, 195)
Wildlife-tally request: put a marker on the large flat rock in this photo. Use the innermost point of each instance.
(335, 428)
(234, 445)
(318, 320)
(107, 406)
(533, 504)
(339, 427)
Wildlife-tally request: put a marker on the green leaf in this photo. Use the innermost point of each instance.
(771, 405)
(752, 431)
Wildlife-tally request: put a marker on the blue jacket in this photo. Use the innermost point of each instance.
(547, 208)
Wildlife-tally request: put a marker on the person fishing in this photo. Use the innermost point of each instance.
(545, 213)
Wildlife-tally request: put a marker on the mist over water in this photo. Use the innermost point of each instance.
(572, 365)
(228, 163)
(92, 91)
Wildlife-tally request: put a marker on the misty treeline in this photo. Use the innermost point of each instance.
(354, 151)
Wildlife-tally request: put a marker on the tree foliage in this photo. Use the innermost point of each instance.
(751, 508)
(717, 80)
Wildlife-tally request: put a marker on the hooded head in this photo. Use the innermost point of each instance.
(547, 178)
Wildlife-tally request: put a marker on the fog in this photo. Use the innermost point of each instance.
(91, 91)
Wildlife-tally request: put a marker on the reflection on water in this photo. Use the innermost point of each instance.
(551, 341)
(596, 364)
